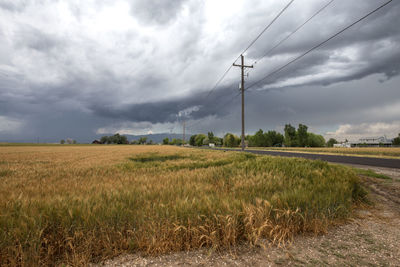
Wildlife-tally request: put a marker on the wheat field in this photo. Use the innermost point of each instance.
(80, 204)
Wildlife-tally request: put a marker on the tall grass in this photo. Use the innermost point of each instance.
(76, 205)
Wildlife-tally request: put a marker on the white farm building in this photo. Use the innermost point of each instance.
(368, 142)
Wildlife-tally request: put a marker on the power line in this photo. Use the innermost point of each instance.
(319, 45)
(267, 27)
(247, 48)
(230, 67)
(219, 81)
(293, 32)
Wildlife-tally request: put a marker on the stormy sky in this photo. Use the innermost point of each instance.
(78, 69)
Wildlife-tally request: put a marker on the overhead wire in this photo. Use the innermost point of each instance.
(267, 27)
(230, 67)
(318, 45)
(293, 32)
(247, 48)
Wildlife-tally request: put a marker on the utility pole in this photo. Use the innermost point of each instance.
(183, 141)
(242, 66)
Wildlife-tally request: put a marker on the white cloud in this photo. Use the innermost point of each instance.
(186, 112)
(355, 131)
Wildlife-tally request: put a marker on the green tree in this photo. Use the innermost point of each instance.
(315, 140)
(206, 141)
(192, 140)
(210, 136)
(396, 141)
(259, 139)
(275, 138)
(104, 140)
(331, 142)
(290, 136)
(142, 140)
(119, 139)
(114, 139)
(231, 140)
(176, 142)
(302, 135)
(199, 139)
(74, 142)
(218, 141)
(165, 141)
(62, 141)
(123, 140)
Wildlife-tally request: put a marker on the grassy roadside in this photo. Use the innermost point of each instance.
(79, 204)
(371, 173)
(387, 152)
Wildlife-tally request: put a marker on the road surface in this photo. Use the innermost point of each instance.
(359, 160)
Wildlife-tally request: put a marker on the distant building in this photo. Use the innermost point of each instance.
(372, 142)
(345, 144)
(381, 141)
(97, 142)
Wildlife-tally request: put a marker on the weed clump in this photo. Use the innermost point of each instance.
(152, 157)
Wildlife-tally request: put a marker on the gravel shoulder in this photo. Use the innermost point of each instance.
(370, 238)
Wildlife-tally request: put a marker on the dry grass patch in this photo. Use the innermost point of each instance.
(77, 204)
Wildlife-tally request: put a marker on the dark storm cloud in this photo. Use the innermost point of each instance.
(168, 110)
(94, 73)
(375, 41)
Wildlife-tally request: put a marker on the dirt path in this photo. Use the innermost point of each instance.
(371, 238)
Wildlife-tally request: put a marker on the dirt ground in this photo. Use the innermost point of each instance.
(370, 238)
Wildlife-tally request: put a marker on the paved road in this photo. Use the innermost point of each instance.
(377, 162)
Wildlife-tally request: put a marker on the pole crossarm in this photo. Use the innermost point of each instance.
(245, 66)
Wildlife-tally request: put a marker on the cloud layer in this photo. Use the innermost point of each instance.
(75, 69)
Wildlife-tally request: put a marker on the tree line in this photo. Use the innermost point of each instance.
(291, 138)
(122, 139)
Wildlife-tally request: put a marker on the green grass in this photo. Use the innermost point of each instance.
(153, 157)
(371, 173)
(76, 212)
(4, 173)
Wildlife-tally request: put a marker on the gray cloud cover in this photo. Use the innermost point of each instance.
(68, 69)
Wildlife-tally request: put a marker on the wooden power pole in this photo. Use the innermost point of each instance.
(242, 66)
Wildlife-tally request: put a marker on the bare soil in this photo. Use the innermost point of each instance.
(370, 238)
